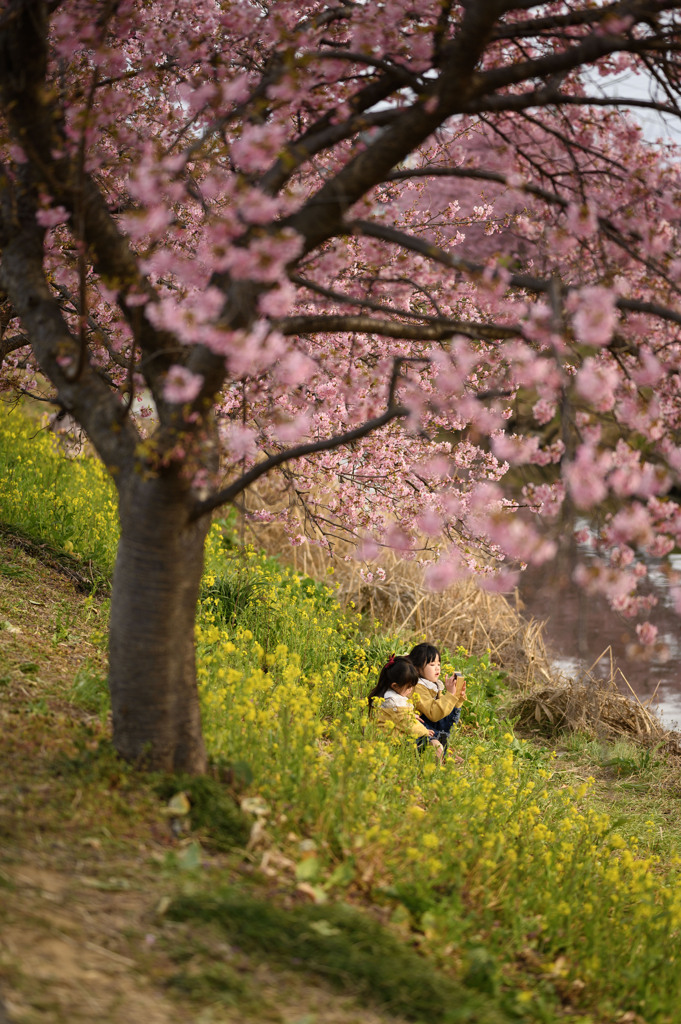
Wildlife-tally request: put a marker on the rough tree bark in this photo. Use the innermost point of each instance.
(152, 675)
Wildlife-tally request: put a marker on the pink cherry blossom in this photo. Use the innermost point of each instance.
(258, 145)
(440, 575)
(181, 385)
(544, 411)
(514, 449)
(647, 633)
(596, 382)
(585, 476)
(581, 221)
(650, 369)
(501, 582)
(277, 301)
(630, 525)
(468, 309)
(240, 441)
(430, 522)
(50, 217)
(595, 315)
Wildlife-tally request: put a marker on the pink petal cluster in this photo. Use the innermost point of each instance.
(585, 476)
(181, 385)
(581, 221)
(497, 298)
(595, 315)
(597, 383)
(49, 217)
(647, 633)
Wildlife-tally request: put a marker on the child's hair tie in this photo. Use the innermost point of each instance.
(391, 660)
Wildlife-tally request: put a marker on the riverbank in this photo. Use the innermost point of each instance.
(94, 860)
(90, 858)
(537, 882)
(585, 634)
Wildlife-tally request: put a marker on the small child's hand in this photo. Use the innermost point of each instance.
(451, 683)
(439, 750)
(431, 732)
(456, 685)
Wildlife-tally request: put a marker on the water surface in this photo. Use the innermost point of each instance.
(583, 632)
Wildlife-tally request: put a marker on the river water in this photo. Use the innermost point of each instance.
(583, 632)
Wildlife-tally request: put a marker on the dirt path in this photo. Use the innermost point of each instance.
(74, 919)
(88, 861)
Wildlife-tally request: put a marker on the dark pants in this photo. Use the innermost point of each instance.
(442, 737)
(445, 724)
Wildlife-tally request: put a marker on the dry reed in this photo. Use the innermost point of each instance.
(593, 705)
(464, 615)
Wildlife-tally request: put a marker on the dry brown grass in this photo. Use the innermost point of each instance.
(464, 615)
(593, 706)
(606, 707)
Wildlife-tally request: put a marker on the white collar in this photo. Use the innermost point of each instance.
(430, 684)
(396, 700)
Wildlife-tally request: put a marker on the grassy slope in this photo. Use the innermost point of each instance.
(89, 862)
(87, 859)
(112, 905)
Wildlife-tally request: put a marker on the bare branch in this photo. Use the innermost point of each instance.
(553, 198)
(524, 281)
(551, 25)
(320, 218)
(12, 344)
(23, 277)
(587, 51)
(230, 492)
(434, 252)
(616, 101)
(440, 330)
(316, 140)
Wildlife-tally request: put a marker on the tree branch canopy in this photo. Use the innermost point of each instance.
(221, 232)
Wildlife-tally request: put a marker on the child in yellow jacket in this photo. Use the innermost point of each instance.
(438, 703)
(396, 684)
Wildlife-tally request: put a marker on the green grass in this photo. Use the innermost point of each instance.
(215, 983)
(90, 689)
(211, 808)
(528, 884)
(347, 949)
(70, 504)
(637, 786)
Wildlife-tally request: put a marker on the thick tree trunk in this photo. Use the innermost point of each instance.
(152, 668)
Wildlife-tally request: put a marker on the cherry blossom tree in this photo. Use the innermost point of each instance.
(413, 261)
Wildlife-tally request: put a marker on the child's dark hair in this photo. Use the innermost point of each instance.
(423, 654)
(396, 672)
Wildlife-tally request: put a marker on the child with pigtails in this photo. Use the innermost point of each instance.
(396, 684)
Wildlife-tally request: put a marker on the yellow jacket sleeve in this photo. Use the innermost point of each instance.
(403, 719)
(433, 707)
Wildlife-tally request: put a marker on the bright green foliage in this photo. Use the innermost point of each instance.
(70, 503)
(505, 871)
